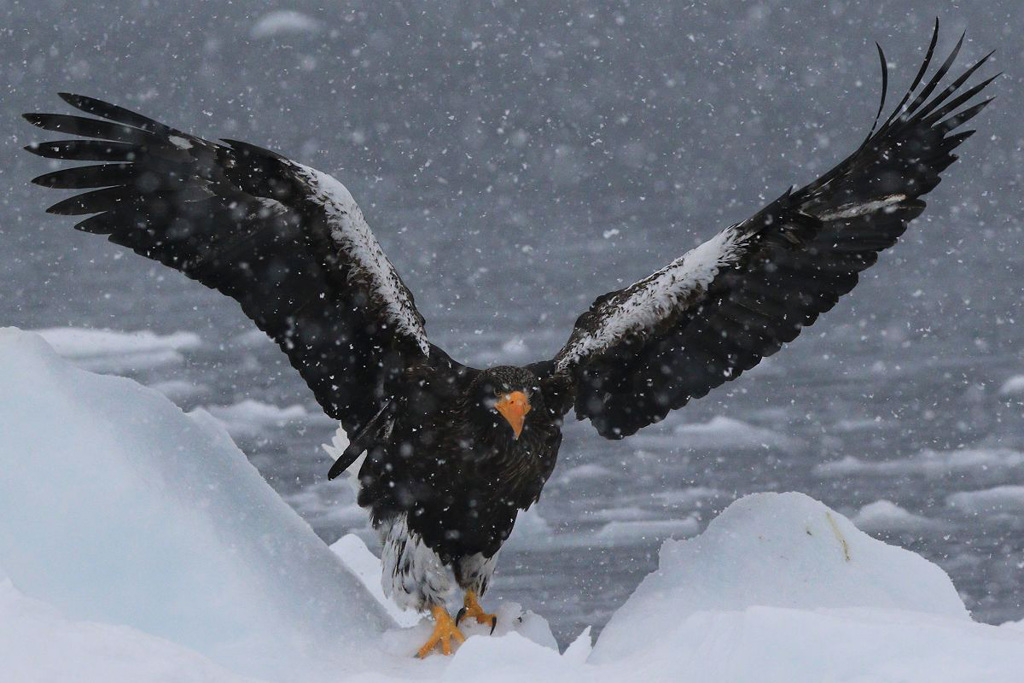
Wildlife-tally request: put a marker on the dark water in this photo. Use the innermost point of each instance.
(515, 163)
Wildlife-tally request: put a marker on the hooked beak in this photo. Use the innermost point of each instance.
(513, 407)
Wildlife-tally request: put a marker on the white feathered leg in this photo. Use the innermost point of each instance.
(412, 574)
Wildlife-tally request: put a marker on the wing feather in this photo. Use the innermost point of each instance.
(286, 241)
(718, 310)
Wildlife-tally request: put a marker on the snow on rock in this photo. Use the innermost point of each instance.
(110, 351)
(283, 23)
(884, 515)
(116, 507)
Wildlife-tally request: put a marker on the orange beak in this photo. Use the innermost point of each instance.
(514, 407)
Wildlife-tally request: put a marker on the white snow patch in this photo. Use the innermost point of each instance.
(112, 351)
(884, 515)
(283, 23)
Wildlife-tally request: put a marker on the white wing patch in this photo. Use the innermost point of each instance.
(352, 234)
(641, 306)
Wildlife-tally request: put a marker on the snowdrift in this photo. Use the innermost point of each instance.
(138, 544)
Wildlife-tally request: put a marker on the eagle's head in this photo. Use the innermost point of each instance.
(503, 396)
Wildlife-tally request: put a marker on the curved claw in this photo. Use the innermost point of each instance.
(472, 608)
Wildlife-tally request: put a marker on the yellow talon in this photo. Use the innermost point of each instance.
(473, 609)
(445, 631)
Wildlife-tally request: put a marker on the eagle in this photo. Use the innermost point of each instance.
(447, 455)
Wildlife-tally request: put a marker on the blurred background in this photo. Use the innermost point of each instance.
(517, 159)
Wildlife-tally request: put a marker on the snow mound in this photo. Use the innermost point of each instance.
(777, 550)
(781, 588)
(116, 507)
(110, 351)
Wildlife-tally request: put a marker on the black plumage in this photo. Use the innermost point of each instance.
(453, 453)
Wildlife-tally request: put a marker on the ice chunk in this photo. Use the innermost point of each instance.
(283, 23)
(585, 472)
(884, 515)
(727, 433)
(928, 463)
(1014, 386)
(250, 418)
(110, 351)
(117, 507)
(999, 500)
(179, 390)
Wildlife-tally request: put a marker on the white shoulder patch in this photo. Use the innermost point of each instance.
(352, 234)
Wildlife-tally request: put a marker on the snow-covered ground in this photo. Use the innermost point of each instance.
(138, 544)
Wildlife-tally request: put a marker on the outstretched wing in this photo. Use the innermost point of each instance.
(284, 240)
(705, 318)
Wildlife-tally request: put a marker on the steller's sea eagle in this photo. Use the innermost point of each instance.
(453, 453)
